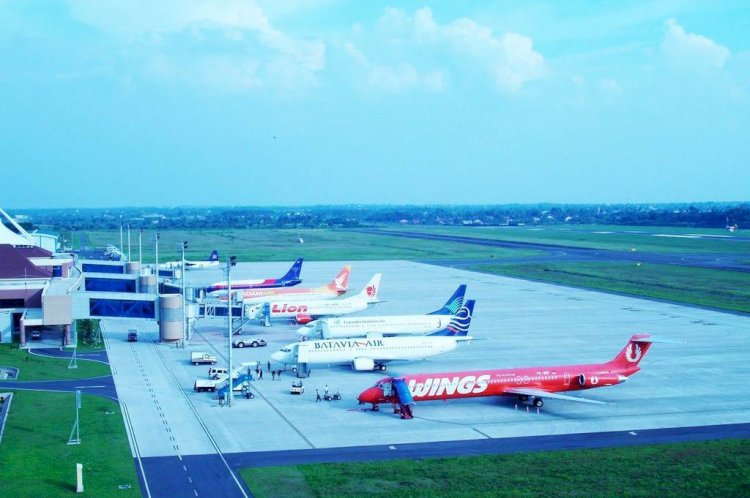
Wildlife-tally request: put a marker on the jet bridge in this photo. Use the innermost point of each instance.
(114, 305)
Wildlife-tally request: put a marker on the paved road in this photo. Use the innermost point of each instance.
(490, 446)
(558, 253)
(100, 356)
(161, 420)
(100, 386)
(190, 475)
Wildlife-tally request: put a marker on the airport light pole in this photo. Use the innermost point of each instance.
(129, 242)
(157, 262)
(231, 261)
(182, 279)
(140, 248)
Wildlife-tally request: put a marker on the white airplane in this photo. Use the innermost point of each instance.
(306, 310)
(211, 262)
(369, 326)
(373, 353)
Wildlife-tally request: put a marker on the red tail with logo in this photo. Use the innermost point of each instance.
(633, 353)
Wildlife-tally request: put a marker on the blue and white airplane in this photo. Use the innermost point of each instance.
(371, 326)
(290, 279)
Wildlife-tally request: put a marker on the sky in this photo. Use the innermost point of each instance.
(110, 103)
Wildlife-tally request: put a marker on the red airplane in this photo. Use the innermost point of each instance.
(529, 385)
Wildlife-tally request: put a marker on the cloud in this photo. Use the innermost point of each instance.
(690, 49)
(510, 58)
(611, 87)
(395, 78)
(206, 42)
(403, 76)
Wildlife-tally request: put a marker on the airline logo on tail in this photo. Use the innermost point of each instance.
(214, 255)
(631, 354)
(370, 292)
(460, 322)
(294, 271)
(454, 303)
(341, 281)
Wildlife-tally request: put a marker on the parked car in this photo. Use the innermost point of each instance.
(36, 335)
(249, 343)
(132, 335)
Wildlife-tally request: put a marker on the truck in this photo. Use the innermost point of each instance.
(201, 358)
(210, 385)
(240, 379)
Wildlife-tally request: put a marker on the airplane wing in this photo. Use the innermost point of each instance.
(540, 393)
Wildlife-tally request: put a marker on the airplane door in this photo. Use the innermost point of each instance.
(300, 352)
(567, 378)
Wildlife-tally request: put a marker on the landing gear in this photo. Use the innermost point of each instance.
(380, 366)
(531, 401)
(376, 408)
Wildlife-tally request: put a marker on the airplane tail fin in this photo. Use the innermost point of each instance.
(339, 283)
(294, 271)
(214, 255)
(454, 303)
(459, 324)
(370, 292)
(633, 352)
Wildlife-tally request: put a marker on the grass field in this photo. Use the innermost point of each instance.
(33, 367)
(281, 245)
(606, 237)
(716, 468)
(720, 289)
(37, 462)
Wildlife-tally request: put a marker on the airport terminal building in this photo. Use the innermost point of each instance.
(33, 286)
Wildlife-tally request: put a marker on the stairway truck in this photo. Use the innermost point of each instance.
(201, 358)
(404, 397)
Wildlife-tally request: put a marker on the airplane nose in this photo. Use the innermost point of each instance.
(369, 395)
(278, 357)
(304, 331)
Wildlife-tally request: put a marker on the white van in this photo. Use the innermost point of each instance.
(216, 372)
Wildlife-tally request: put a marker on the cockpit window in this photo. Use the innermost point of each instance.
(286, 350)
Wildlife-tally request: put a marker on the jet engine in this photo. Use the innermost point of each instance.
(363, 364)
(598, 380)
(303, 318)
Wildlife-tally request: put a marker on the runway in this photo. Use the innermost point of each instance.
(446, 449)
(563, 253)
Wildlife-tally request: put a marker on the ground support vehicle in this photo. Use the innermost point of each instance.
(249, 343)
(202, 358)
